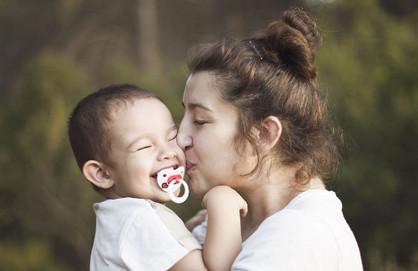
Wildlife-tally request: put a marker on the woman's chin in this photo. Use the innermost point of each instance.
(198, 186)
(196, 190)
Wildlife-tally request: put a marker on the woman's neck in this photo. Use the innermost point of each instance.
(268, 195)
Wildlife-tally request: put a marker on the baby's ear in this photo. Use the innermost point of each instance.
(269, 133)
(96, 173)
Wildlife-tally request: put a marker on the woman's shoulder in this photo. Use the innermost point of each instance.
(309, 234)
(288, 240)
(292, 225)
(309, 217)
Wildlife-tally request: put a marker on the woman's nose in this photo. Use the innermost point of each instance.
(184, 140)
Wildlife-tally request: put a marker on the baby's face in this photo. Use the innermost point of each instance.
(143, 141)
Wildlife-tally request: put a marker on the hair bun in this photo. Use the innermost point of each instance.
(300, 20)
(295, 39)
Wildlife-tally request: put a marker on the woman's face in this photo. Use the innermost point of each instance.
(206, 134)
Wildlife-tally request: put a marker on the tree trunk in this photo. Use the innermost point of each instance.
(148, 41)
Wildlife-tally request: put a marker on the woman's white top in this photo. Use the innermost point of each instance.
(309, 234)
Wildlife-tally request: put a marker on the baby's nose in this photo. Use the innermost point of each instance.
(167, 153)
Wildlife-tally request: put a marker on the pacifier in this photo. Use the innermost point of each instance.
(170, 180)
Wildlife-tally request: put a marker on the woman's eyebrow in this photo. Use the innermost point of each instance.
(198, 105)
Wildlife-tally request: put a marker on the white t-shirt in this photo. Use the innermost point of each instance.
(309, 234)
(137, 234)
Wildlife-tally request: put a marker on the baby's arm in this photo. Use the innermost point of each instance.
(223, 238)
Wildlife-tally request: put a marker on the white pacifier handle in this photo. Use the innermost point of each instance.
(170, 180)
(185, 195)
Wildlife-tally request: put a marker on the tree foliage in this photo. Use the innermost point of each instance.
(370, 72)
(59, 51)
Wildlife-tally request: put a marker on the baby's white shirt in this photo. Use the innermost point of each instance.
(137, 234)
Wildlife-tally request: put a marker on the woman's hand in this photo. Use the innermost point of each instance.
(196, 220)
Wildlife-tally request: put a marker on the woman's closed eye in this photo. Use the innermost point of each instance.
(200, 122)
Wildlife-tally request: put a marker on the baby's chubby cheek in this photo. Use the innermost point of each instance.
(181, 156)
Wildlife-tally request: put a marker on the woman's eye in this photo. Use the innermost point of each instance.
(144, 148)
(199, 122)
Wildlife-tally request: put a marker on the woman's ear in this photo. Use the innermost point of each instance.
(96, 173)
(269, 133)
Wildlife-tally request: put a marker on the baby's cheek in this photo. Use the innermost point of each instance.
(181, 156)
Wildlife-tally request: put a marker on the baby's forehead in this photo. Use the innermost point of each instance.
(141, 108)
(148, 116)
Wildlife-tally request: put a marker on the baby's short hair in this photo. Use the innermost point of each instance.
(88, 123)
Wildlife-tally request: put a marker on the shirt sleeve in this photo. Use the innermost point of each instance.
(146, 244)
(176, 226)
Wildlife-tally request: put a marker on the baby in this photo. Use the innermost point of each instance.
(124, 141)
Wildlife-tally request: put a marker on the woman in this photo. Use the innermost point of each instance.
(255, 121)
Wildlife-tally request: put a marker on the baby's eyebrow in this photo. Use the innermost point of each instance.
(135, 140)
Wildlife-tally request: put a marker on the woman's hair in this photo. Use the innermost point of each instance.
(274, 74)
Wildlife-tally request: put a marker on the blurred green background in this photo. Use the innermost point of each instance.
(53, 52)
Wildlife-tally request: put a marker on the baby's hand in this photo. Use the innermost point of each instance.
(225, 197)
